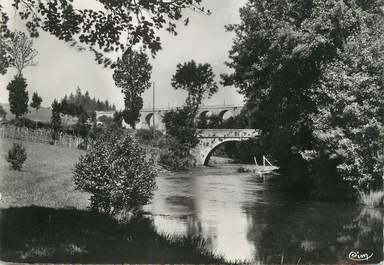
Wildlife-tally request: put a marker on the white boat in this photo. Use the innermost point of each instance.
(265, 168)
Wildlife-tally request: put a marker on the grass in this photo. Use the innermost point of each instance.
(373, 199)
(44, 180)
(44, 220)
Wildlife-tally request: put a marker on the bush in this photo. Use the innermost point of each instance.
(25, 122)
(116, 172)
(17, 156)
(181, 138)
(180, 126)
(146, 136)
(176, 156)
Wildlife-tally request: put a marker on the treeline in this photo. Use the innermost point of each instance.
(215, 121)
(78, 103)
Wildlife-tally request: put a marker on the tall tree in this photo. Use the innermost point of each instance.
(36, 101)
(132, 75)
(18, 96)
(55, 119)
(21, 51)
(198, 80)
(279, 55)
(82, 124)
(108, 26)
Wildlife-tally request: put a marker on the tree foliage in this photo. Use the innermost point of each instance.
(348, 126)
(181, 138)
(82, 125)
(288, 62)
(132, 75)
(36, 101)
(181, 127)
(176, 156)
(198, 80)
(116, 172)
(20, 51)
(55, 119)
(18, 96)
(106, 26)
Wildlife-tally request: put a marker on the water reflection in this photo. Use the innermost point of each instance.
(244, 219)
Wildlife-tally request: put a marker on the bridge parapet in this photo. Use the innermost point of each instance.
(228, 133)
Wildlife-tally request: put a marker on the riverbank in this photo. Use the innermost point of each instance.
(43, 219)
(45, 235)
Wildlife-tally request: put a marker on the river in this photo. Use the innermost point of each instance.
(242, 218)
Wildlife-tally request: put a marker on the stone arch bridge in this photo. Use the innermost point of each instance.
(210, 139)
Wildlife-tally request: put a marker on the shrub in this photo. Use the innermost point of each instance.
(147, 136)
(17, 156)
(180, 126)
(374, 199)
(25, 122)
(181, 138)
(176, 156)
(82, 145)
(116, 173)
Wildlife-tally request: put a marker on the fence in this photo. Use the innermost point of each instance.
(41, 136)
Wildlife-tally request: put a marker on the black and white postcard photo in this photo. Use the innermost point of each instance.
(239, 132)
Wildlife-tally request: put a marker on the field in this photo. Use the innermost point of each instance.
(43, 219)
(45, 179)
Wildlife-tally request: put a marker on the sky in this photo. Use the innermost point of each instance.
(61, 68)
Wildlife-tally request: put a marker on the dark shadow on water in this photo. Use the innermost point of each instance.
(314, 232)
(37, 234)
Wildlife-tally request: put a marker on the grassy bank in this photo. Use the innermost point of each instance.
(43, 219)
(38, 234)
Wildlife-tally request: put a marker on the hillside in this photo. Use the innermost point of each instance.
(42, 115)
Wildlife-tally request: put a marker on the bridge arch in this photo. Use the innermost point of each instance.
(225, 114)
(205, 114)
(210, 139)
(148, 119)
(207, 154)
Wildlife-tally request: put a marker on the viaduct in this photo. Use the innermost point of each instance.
(148, 116)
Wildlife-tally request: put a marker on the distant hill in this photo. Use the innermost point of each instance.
(42, 115)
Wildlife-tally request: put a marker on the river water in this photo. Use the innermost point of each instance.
(242, 218)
